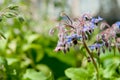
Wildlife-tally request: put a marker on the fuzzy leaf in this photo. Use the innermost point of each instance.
(1, 35)
(9, 15)
(77, 74)
(34, 75)
(13, 7)
(21, 19)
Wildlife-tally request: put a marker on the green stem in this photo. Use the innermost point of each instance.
(91, 56)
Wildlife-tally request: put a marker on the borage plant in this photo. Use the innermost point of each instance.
(11, 11)
(6, 70)
(77, 31)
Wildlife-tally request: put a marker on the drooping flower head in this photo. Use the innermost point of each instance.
(70, 32)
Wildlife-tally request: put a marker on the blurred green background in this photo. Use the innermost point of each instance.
(27, 52)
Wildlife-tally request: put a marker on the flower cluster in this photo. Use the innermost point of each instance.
(109, 37)
(74, 31)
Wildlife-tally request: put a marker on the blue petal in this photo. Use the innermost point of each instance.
(93, 20)
(99, 18)
(92, 47)
(96, 20)
(118, 24)
(92, 26)
(98, 45)
(74, 36)
(79, 37)
(85, 28)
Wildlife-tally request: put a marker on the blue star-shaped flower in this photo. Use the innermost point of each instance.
(118, 24)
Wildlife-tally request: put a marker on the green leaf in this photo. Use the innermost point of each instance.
(0, 18)
(9, 14)
(3, 68)
(77, 74)
(34, 75)
(32, 37)
(110, 66)
(21, 19)
(3, 61)
(11, 60)
(1, 35)
(46, 70)
(13, 7)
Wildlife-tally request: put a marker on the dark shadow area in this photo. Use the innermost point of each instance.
(55, 65)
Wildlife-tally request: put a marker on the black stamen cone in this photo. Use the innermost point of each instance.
(96, 48)
(98, 52)
(96, 23)
(64, 50)
(90, 31)
(74, 41)
(68, 49)
(86, 19)
(109, 49)
(88, 59)
(103, 50)
(106, 44)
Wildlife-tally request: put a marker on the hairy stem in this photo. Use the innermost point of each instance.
(91, 56)
(84, 43)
